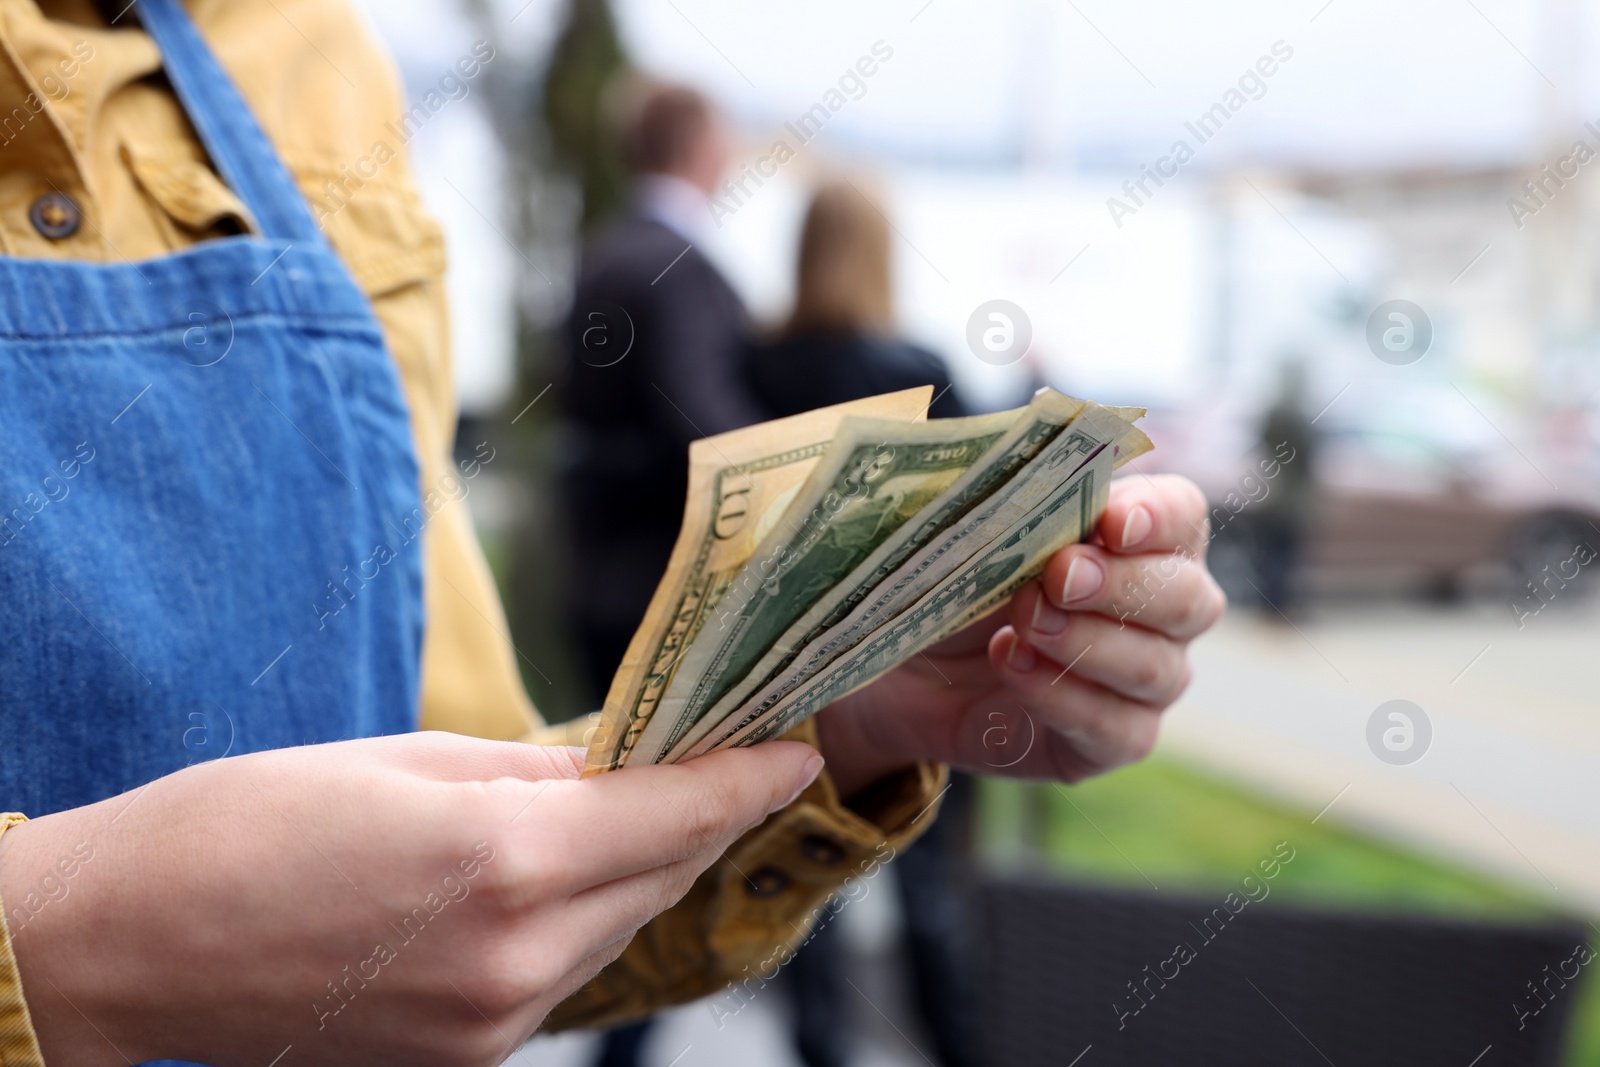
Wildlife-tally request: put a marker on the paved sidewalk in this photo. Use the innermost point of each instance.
(1510, 783)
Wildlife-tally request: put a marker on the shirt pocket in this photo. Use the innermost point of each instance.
(186, 190)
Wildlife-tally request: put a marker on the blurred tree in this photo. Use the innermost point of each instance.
(587, 59)
(563, 176)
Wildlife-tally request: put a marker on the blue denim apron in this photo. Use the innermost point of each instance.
(209, 535)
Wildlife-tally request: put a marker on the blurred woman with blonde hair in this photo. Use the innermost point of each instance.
(838, 343)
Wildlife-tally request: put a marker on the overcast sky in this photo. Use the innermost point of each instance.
(1090, 88)
(1068, 79)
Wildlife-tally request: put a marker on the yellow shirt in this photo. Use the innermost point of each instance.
(85, 111)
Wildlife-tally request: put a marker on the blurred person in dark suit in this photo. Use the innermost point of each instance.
(655, 344)
(839, 345)
(1286, 514)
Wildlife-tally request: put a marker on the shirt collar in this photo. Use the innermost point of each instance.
(676, 204)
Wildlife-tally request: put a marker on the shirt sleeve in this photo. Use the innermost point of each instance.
(19, 1046)
(751, 911)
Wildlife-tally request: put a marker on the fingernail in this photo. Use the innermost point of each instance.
(1138, 526)
(1021, 657)
(1084, 578)
(1047, 618)
(808, 774)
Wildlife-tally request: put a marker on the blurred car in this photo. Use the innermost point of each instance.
(1416, 490)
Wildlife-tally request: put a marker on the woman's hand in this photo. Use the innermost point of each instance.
(423, 899)
(1066, 681)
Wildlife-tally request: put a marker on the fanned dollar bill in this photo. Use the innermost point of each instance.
(878, 474)
(1030, 430)
(901, 574)
(820, 551)
(739, 485)
(984, 582)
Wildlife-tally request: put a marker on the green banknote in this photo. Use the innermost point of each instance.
(877, 475)
(740, 484)
(984, 582)
(899, 574)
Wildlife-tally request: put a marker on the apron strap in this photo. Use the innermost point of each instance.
(226, 125)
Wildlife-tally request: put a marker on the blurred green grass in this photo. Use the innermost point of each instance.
(1164, 824)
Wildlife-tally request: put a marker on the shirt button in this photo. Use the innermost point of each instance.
(821, 851)
(767, 882)
(55, 216)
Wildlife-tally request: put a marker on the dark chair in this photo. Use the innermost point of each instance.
(1272, 985)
